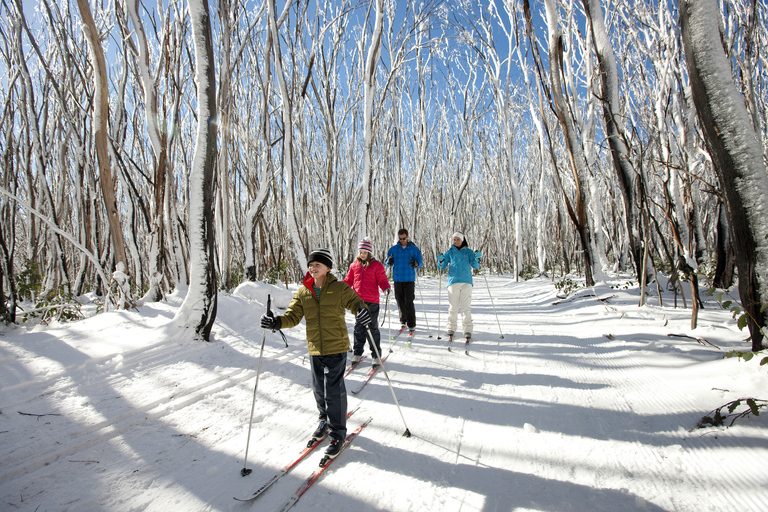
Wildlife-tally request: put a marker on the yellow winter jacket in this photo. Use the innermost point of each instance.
(326, 326)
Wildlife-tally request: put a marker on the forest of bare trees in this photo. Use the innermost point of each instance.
(194, 145)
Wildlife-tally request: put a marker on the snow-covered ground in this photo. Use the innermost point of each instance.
(583, 405)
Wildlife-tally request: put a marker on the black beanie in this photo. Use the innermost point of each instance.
(322, 256)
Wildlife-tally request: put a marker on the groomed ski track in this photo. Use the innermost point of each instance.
(584, 405)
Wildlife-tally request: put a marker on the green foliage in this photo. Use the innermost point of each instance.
(273, 274)
(737, 310)
(716, 417)
(29, 282)
(747, 356)
(566, 286)
(57, 305)
(529, 272)
(662, 265)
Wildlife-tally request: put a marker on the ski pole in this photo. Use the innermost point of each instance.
(407, 432)
(245, 471)
(418, 284)
(439, 297)
(494, 306)
(386, 311)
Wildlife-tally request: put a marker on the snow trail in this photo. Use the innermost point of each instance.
(583, 405)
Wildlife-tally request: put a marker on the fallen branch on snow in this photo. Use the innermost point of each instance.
(38, 415)
(701, 341)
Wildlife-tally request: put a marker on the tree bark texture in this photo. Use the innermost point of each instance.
(736, 155)
(199, 307)
(101, 136)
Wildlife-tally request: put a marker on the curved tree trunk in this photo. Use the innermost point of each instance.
(609, 79)
(287, 113)
(576, 154)
(101, 127)
(736, 155)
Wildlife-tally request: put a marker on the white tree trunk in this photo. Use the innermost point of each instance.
(198, 311)
(369, 89)
(287, 112)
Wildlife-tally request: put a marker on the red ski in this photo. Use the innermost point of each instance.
(313, 478)
(313, 443)
(371, 372)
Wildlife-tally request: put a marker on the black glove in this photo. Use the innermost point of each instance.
(391, 261)
(363, 317)
(270, 322)
(414, 263)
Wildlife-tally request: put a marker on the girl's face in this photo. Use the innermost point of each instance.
(363, 255)
(317, 269)
(457, 241)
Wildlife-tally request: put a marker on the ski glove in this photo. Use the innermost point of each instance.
(414, 263)
(363, 317)
(270, 322)
(391, 261)
(478, 254)
(440, 258)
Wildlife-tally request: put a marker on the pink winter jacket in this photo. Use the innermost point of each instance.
(366, 280)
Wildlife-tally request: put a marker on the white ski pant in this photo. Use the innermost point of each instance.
(460, 297)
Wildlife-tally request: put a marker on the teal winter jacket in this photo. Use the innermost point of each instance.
(460, 263)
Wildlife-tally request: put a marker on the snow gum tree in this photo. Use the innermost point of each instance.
(101, 135)
(736, 155)
(287, 116)
(198, 310)
(609, 81)
(578, 210)
(369, 86)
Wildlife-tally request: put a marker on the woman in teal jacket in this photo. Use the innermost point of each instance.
(460, 261)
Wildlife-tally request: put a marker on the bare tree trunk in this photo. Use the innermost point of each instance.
(198, 310)
(101, 128)
(286, 108)
(369, 89)
(609, 79)
(736, 155)
(263, 166)
(224, 117)
(578, 164)
(158, 140)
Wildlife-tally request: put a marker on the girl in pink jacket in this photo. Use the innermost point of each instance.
(366, 276)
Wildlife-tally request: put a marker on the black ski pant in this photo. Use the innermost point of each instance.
(361, 334)
(405, 293)
(330, 392)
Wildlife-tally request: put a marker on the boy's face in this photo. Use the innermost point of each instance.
(317, 269)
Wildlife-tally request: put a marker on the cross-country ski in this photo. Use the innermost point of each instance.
(369, 376)
(318, 472)
(311, 445)
(353, 366)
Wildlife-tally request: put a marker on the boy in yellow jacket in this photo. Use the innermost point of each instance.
(322, 301)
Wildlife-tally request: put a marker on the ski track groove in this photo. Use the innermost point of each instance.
(86, 437)
(624, 367)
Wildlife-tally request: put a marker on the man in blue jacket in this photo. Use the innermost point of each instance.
(405, 259)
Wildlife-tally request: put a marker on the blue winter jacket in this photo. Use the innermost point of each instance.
(402, 272)
(460, 263)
